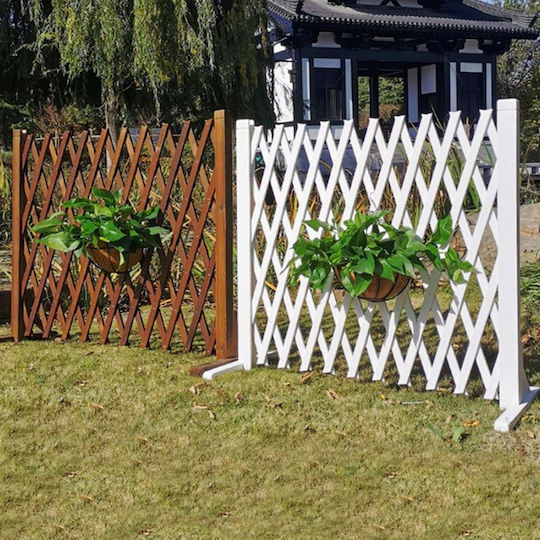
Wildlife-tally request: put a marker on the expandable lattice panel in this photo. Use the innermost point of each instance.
(172, 294)
(451, 333)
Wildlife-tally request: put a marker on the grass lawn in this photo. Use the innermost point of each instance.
(108, 442)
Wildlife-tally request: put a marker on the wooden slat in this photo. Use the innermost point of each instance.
(17, 255)
(226, 345)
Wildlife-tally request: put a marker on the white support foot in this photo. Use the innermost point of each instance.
(236, 365)
(511, 416)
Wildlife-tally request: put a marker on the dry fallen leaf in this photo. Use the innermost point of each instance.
(225, 514)
(59, 527)
(86, 498)
(237, 397)
(331, 394)
(380, 527)
(472, 423)
(97, 406)
(142, 440)
(197, 407)
(341, 433)
(391, 474)
(196, 388)
(466, 532)
(530, 434)
(406, 498)
(145, 532)
(70, 474)
(307, 377)
(526, 339)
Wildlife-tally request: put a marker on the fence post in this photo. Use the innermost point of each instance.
(226, 342)
(515, 394)
(244, 202)
(17, 235)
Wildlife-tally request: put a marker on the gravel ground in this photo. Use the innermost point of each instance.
(529, 238)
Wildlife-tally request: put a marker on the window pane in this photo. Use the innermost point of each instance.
(327, 94)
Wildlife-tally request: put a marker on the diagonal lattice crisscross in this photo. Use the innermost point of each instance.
(415, 174)
(170, 295)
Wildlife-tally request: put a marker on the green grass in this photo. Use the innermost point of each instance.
(107, 442)
(110, 442)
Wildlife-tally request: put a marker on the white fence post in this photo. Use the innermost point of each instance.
(244, 201)
(244, 179)
(514, 392)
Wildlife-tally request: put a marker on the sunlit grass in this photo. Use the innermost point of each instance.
(108, 442)
(111, 442)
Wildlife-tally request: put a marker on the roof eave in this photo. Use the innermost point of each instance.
(518, 32)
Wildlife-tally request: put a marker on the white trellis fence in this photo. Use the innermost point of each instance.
(466, 336)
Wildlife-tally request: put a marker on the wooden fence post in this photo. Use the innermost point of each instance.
(226, 341)
(17, 238)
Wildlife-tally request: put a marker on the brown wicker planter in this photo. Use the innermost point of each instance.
(107, 258)
(381, 289)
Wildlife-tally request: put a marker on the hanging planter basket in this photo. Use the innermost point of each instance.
(107, 257)
(380, 289)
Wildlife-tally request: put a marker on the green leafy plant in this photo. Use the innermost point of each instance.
(457, 436)
(367, 247)
(105, 221)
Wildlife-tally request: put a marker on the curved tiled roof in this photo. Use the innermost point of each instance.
(464, 17)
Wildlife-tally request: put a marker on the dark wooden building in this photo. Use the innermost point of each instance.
(337, 60)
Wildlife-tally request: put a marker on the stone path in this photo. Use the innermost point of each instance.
(529, 239)
(5, 268)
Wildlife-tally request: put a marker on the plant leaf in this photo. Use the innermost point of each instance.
(61, 241)
(107, 196)
(110, 232)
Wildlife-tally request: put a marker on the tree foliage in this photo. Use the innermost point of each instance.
(519, 77)
(200, 54)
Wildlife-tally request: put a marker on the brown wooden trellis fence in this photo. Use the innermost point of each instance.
(182, 292)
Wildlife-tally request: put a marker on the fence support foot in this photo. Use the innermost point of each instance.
(511, 416)
(236, 365)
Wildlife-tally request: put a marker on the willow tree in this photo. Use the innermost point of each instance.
(518, 75)
(203, 52)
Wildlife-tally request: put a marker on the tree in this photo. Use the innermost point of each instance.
(518, 73)
(201, 52)
(20, 85)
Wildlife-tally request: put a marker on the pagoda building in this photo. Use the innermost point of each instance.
(335, 60)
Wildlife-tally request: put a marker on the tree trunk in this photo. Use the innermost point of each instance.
(111, 115)
(111, 122)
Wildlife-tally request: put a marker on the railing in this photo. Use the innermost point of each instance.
(469, 333)
(182, 292)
